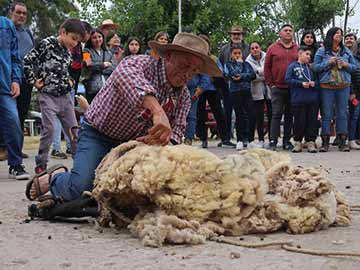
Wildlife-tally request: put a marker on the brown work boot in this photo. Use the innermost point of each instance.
(3, 154)
(343, 146)
(325, 143)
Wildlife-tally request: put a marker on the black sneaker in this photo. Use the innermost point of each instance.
(58, 154)
(288, 146)
(272, 145)
(227, 144)
(68, 151)
(18, 172)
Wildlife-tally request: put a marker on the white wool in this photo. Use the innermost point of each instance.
(180, 194)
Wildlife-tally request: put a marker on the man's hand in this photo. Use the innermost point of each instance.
(236, 78)
(306, 84)
(107, 64)
(39, 83)
(342, 63)
(15, 90)
(161, 131)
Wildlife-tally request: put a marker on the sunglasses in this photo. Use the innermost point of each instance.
(253, 48)
(237, 34)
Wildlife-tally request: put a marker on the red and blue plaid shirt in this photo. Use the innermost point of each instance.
(117, 110)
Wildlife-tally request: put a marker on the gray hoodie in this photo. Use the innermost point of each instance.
(259, 89)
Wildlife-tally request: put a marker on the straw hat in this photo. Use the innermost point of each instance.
(189, 43)
(237, 29)
(108, 23)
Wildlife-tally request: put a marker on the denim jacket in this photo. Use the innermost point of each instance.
(323, 67)
(10, 64)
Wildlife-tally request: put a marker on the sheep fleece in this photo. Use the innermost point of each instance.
(181, 194)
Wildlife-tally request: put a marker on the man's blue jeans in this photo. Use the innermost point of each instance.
(92, 146)
(57, 137)
(354, 114)
(11, 129)
(191, 118)
(339, 98)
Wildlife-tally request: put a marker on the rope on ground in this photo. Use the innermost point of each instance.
(222, 239)
(286, 245)
(298, 249)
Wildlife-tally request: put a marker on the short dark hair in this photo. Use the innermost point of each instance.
(16, 3)
(350, 35)
(73, 26)
(257, 42)
(286, 25)
(236, 46)
(87, 26)
(303, 48)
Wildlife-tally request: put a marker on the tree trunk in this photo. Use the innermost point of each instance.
(346, 15)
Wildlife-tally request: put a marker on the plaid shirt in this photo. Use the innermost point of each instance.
(117, 109)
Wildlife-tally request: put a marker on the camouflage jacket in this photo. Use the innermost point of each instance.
(49, 61)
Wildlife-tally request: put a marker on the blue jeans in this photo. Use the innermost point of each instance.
(339, 98)
(92, 146)
(11, 129)
(191, 118)
(354, 114)
(57, 137)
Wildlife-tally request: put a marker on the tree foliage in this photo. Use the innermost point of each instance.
(312, 14)
(44, 16)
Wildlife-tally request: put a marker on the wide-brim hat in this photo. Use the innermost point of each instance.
(237, 29)
(108, 23)
(189, 43)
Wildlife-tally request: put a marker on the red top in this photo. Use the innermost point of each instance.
(117, 110)
(277, 61)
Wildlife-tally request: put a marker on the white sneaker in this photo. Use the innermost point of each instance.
(354, 145)
(254, 144)
(239, 146)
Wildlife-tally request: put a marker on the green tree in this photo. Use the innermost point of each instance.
(44, 17)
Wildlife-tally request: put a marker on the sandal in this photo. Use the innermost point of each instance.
(35, 181)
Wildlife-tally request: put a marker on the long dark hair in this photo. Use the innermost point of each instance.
(127, 51)
(328, 42)
(313, 47)
(89, 44)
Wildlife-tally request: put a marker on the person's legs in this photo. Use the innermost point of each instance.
(201, 129)
(236, 99)
(23, 101)
(268, 113)
(213, 98)
(259, 116)
(277, 104)
(91, 149)
(228, 108)
(191, 119)
(288, 117)
(68, 119)
(311, 122)
(327, 101)
(11, 129)
(244, 118)
(299, 112)
(341, 102)
(57, 136)
(49, 109)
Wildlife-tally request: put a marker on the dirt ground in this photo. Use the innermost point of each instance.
(80, 245)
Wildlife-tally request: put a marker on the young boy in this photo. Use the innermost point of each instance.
(52, 61)
(304, 100)
(240, 74)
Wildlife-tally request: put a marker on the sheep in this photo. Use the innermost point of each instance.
(180, 194)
